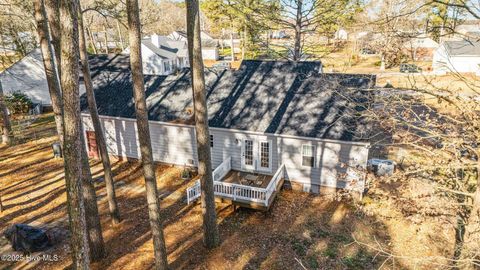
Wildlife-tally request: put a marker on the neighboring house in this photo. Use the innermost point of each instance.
(421, 48)
(226, 40)
(463, 29)
(182, 35)
(341, 34)
(210, 50)
(278, 34)
(266, 119)
(162, 55)
(458, 56)
(27, 76)
(209, 45)
(111, 42)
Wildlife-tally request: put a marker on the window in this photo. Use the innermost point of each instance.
(308, 155)
(248, 152)
(166, 66)
(264, 154)
(211, 140)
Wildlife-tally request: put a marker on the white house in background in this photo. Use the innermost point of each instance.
(182, 35)
(464, 29)
(269, 121)
(209, 45)
(28, 76)
(459, 56)
(162, 55)
(421, 48)
(341, 34)
(226, 40)
(278, 34)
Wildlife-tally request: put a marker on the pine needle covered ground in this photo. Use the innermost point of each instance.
(301, 231)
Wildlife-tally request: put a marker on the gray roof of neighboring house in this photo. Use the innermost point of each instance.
(206, 43)
(462, 47)
(169, 48)
(27, 75)
(162, 51)
(209, 43)
(263, 96)
(182, 33)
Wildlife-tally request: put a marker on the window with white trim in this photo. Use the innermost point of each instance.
(211, 141)
(166, 66)
(308, 155)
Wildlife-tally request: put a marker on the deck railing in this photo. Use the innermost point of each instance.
(236, 191)
(193, 192)
(222, 169)
(272, 186)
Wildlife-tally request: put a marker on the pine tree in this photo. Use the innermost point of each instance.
(210, 230)
(94, 229)
(50, 65)
(6, 125)
(72, 142)
(99, 134)
(144, 135)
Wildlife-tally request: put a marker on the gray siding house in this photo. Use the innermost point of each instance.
(27, 76)
(262, 117)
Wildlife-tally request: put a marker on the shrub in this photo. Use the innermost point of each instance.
(18, 103)
(330, 252)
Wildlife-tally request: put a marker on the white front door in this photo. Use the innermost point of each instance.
(248, 157)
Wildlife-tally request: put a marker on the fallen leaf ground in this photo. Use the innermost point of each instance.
(301, 231)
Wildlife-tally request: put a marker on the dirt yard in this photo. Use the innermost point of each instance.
(301, 231)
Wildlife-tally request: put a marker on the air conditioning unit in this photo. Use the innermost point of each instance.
(381, 167)
(307, 188)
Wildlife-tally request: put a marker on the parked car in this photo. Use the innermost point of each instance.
(222, 65)
(367, 51)
(410, 68)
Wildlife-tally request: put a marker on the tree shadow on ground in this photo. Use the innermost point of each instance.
(300, 229)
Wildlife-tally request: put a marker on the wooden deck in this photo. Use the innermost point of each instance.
(247, 179)
(253, 180)
(245, 189)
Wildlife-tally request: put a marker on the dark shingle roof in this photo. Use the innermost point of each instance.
(273, 97)
(463, 47)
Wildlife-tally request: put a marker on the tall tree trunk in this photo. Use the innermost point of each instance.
(297, 48)
(232, 46)
(7, 134)
(222, 38)
(120, 35)
(94, 227)
(106, 39)
(99, 134)
(471, 244)
(382, 62)
(49, 65)
(144, 135)
(92, 40)
(53, 16)
(211, 236)
(72, 141)
(244, 47)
